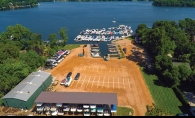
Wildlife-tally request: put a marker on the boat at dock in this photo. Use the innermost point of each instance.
(112, 33)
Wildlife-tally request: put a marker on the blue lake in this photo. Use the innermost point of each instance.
(49, 17)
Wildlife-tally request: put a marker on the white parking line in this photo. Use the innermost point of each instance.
(123, 83)
(108, 83)
(103, 82)
(118, 83)
(129, 83)
(98, 81)
(113, 82)
(92, 82)
(83, 81)
(72, 83)
(88, 81)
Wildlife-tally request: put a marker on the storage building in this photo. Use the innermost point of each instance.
(24, 94)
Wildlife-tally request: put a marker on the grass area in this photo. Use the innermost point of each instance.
(71, 46)
(181, 63)
(124, 111)
(130, 38)
(164, 97)
(121, 51)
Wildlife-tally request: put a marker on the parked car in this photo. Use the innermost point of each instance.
(67, 52)
(63, 82)
(77, 76)
(69, 74)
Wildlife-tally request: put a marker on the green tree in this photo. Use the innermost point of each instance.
(53, 40)
(63, 35)
(184, 72)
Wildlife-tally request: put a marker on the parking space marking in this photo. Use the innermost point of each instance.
(103, 82)
(118, 83)
(113, 82)
(129, 83)
(83, 81)
(88, 81)
(72, 83)
(108, 83)
(98, 81)
(123, 83)
(93, 81)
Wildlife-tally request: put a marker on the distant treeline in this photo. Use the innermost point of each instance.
(15, 4)
(177, 3)
(88, 0)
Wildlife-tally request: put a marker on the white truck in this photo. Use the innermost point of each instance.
(68, 81)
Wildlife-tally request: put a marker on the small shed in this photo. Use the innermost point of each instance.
(24, 94)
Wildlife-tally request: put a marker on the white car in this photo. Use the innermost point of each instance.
(68, 52)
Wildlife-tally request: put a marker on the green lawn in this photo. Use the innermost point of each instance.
(164, 97)
(124, 111)
(71, 46)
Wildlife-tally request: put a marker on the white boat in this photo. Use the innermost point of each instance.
(99, 108)
(106, 112)
(54, 113)
(86, 110)
(40, 108)
(85, 106)
(73, 108)
(100, 114)
(86, 114)
(92, 107)
(66, 108)
(79, 108)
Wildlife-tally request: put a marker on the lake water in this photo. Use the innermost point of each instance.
(49, 17)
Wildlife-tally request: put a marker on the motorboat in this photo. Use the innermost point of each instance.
(66, 107)
(79, 108)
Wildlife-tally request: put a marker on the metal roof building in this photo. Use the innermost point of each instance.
(77, 98)
(24, 94)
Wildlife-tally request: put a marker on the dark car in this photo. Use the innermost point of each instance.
(77, 76)
(69, 74)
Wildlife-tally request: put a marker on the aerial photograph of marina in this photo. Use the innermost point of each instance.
(97, 57)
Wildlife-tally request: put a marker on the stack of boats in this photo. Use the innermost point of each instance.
(113, 33)
(113, 50)
(95, 51)
(60, 109)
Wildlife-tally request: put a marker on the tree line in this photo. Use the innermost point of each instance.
(14, 4)
(167, 38)
(177, 3)
(22, 52)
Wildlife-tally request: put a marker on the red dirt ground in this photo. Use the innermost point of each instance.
(121, 76)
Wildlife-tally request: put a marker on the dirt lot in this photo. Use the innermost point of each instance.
(115, 75)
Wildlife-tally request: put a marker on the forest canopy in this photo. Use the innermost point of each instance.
(22, 52)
